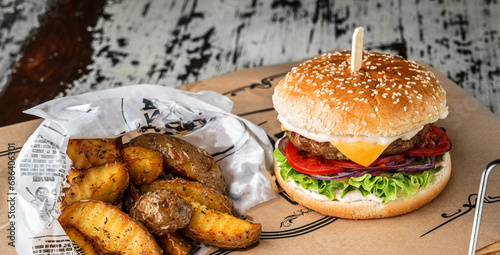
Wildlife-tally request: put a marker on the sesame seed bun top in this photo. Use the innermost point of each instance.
(388, 96)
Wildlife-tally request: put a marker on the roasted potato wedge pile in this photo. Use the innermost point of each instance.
(153, 195)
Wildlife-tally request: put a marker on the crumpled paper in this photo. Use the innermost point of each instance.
(241, 148)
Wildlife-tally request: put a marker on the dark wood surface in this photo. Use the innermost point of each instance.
(65, 47)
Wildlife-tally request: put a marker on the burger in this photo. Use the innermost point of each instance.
(361, 144)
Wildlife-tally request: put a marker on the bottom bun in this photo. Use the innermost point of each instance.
(369, 209)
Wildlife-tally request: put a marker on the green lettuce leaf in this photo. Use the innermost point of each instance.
(387, 187)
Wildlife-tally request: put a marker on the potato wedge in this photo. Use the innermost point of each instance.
(144, 164)
(162, 211)
(96, 152)
(198, 192)
(221, 229)
(104, 183)
(184, 159)
(113, 229)
(174, 244)
(75, 153)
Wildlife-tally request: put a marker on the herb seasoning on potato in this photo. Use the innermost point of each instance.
(162, 211)
(184, 159)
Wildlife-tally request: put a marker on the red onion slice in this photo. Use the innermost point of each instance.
(374, 171)
(281, 144)
(389, 166)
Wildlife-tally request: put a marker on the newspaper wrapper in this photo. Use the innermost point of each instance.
(241, 148)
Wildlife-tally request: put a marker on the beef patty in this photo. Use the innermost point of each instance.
(329, 151)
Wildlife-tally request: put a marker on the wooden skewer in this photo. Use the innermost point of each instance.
(357, 49)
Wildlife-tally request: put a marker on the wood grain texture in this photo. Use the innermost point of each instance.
(177, 42)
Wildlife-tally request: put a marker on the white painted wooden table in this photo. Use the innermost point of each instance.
(177, 42)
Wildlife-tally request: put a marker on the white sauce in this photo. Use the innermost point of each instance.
(347, 138)
(351, 196)
(440, 163)
(356, 195)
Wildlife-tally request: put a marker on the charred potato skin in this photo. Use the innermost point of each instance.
(112, 229)
(221, 230)
(162, 212)
(199, 192)
(184, 159)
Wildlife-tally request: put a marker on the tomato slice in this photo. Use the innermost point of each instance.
(387, 159)
(310, 165)
(436, 143)
(344, 163)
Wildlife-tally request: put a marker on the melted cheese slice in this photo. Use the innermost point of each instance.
(361, 152)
